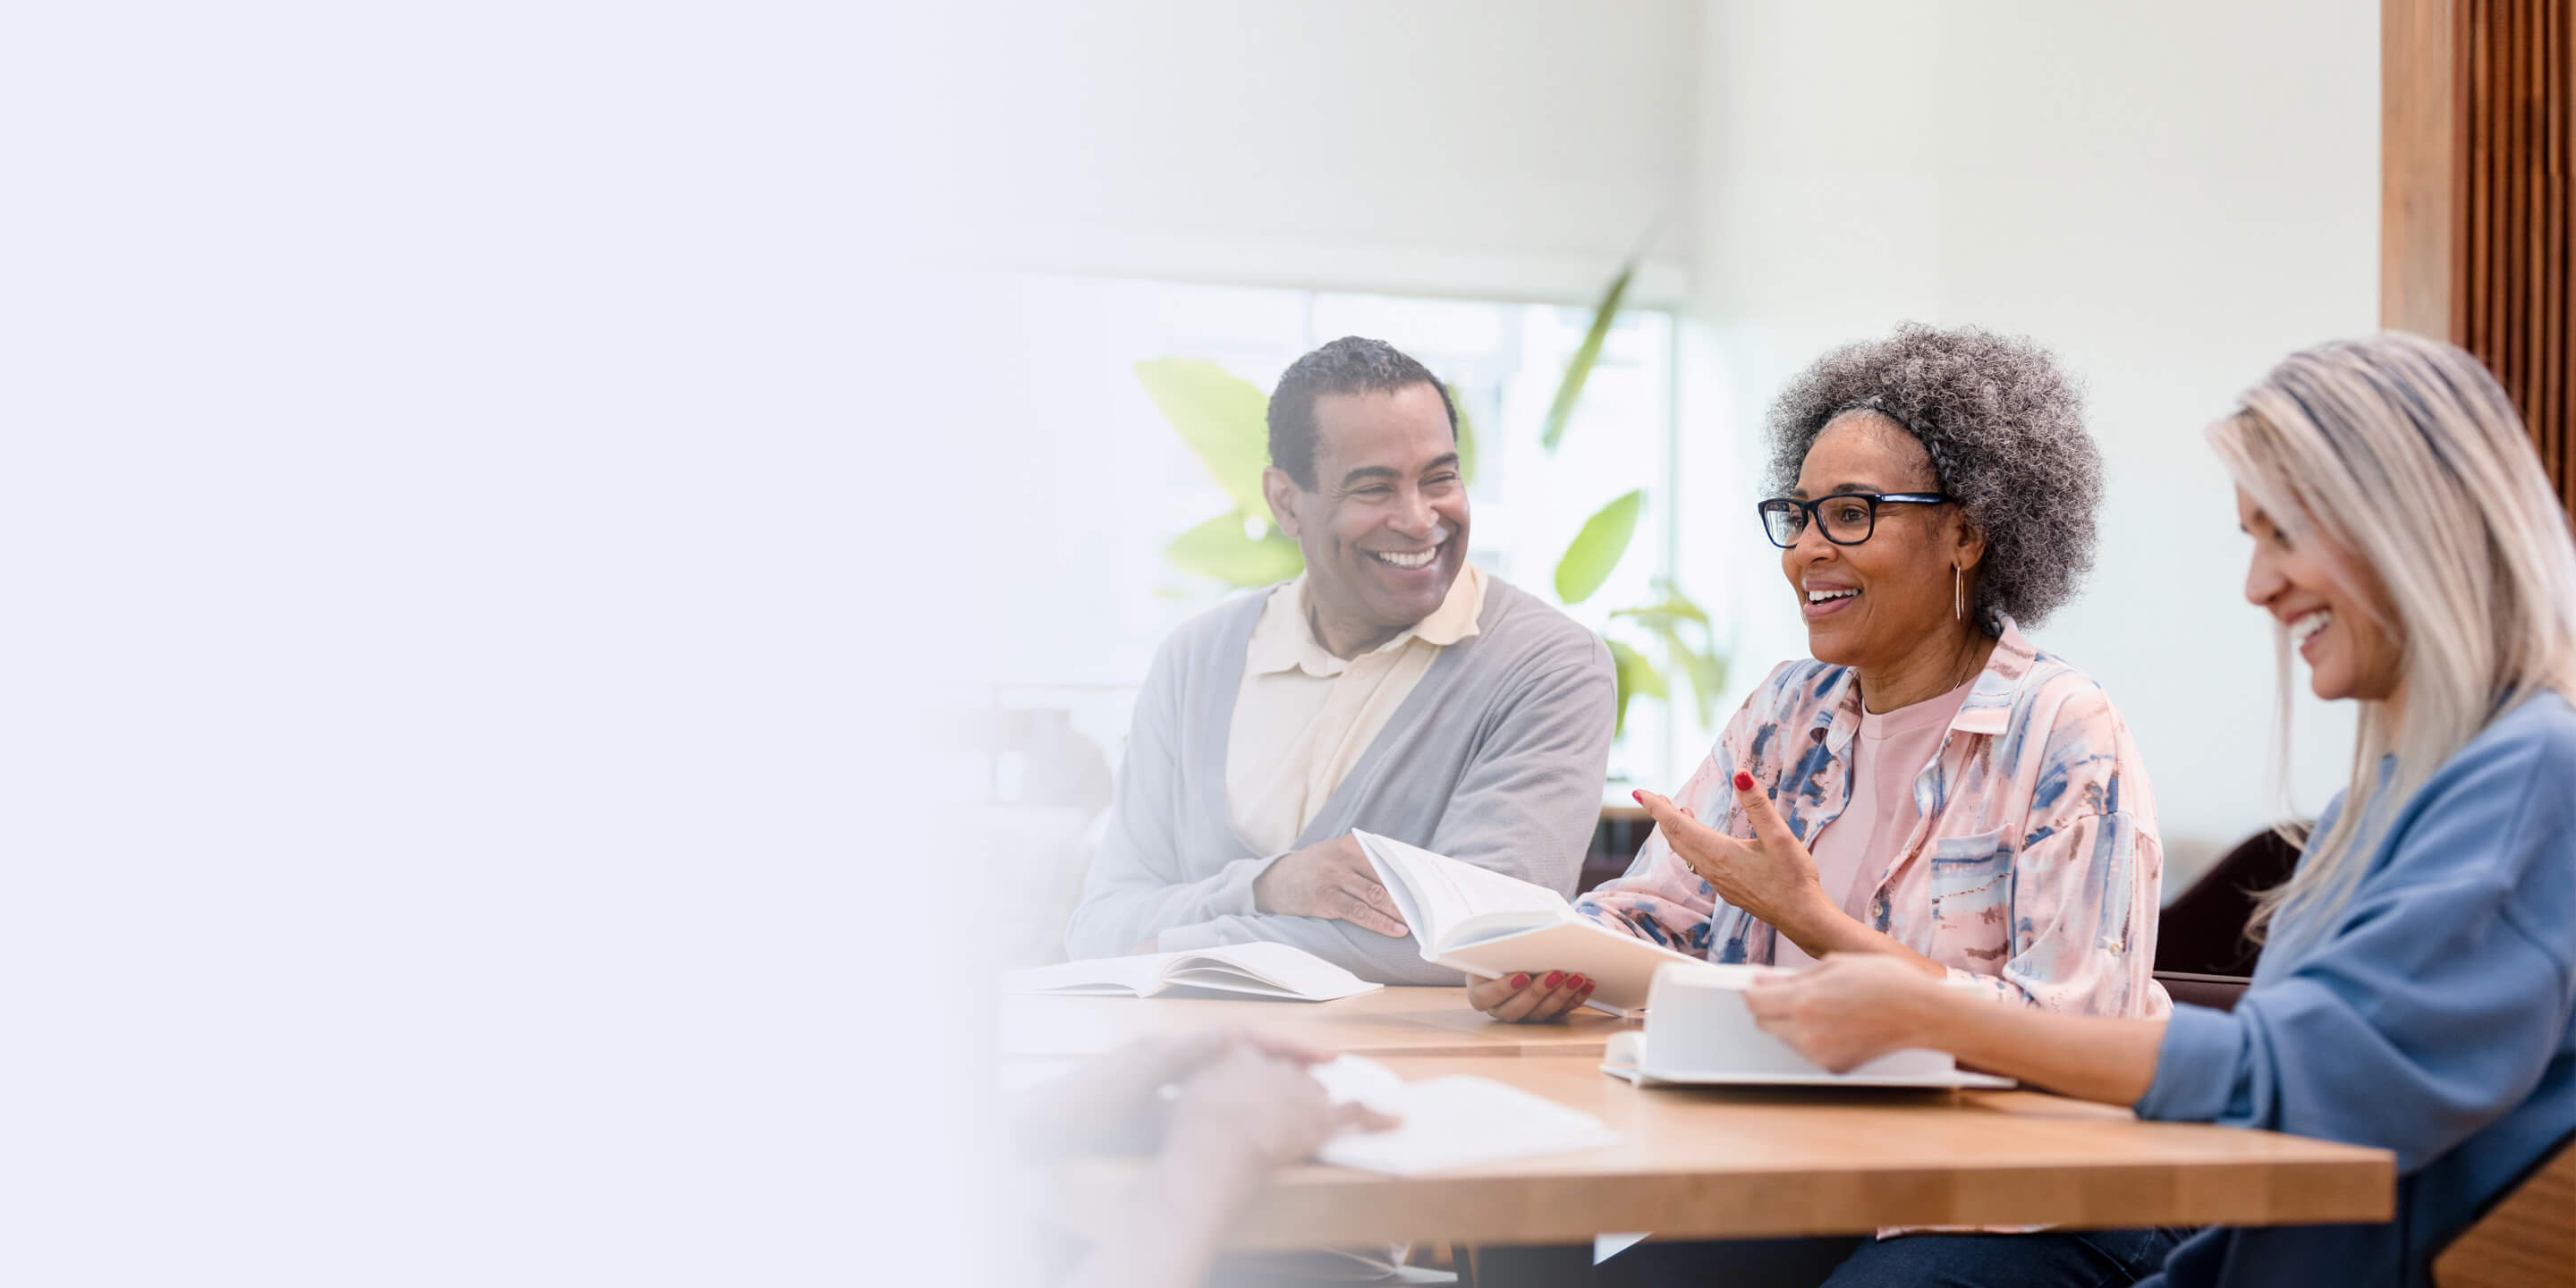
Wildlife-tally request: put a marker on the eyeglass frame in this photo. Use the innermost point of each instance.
(1807, 512)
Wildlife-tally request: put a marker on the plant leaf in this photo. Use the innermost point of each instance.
(1466, 437)
(1596, 550)
(1218, 548)
(1635, 675)
(1673, 607)
(1224, 419)
(1705, 670)
(1579, 368)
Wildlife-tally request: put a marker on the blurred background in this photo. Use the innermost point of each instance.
(2170, 198)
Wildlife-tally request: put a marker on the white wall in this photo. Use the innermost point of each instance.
(1501, 148)
(2171, 197)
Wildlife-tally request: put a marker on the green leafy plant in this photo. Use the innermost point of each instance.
(1578, 369)
(1223, 419)
(1671, 627)
(1675, 628)
(1220, 415)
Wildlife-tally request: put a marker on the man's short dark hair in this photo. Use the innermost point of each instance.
(1350, 365)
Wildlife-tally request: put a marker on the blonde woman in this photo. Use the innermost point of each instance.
(2415, 988)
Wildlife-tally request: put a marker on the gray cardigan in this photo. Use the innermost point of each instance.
(1496, 758)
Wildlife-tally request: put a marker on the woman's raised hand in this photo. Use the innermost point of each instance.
(1530, 999)
(1771, 876)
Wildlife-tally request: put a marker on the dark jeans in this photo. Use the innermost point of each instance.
(2046, 1259)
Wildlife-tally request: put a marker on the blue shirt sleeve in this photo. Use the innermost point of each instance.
(2440, 994)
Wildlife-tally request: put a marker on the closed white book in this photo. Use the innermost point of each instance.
(1701, 1033)
(1276, 971)
(1490, 925)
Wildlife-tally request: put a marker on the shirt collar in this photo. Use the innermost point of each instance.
(1988, 708)
(1455, 618)
(1989, 705)
(1281, 640)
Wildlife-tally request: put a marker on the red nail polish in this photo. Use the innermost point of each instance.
(1638, 796)
(1520, 981)
(1554, 977)
(1743, 781)
(1576, 982)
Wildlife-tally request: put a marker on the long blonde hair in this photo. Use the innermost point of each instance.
(2410, 462)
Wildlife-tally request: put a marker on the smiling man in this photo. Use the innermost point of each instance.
(1392, 687)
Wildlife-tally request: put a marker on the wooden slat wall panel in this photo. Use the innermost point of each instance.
(2549, 267)
(2424, 188)
(2491, 273)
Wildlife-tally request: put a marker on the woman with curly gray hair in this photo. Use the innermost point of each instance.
(1928, 786)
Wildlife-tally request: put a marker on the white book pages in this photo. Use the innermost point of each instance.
(1463, 1122)
(1435, 892)
(1097, 976)
(1622, 967)
(1490, 925)
(1284, 967)
(1278, 971)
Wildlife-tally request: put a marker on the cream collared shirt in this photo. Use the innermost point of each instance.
(1303, 717)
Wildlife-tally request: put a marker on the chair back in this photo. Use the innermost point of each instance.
(2202, 932)
(2528, 1237)
(2217, 992)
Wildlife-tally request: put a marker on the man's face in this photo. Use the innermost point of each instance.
(1385, 530)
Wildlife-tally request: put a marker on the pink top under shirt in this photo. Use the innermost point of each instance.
(1850, 852)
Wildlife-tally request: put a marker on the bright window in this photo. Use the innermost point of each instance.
(1119, 484)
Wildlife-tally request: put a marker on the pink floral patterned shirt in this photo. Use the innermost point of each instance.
(2032, 868)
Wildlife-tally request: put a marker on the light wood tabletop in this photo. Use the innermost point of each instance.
(1390, 1021)
(1720, 1164)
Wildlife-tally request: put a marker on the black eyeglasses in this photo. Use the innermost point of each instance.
(1849, 517)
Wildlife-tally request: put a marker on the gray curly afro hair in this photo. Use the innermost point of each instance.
(2005, 429)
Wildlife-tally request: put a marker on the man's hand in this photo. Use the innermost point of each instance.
(1329, 879)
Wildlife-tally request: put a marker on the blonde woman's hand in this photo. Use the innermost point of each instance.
(1852, 1008)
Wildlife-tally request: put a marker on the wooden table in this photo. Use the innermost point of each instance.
(1390, 1021)
(1718, 1164)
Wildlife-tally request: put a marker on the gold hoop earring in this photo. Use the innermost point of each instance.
(1958, 593)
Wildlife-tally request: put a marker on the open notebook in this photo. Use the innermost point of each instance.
(1448, 1122)
(1235, 970)
(1490, 925)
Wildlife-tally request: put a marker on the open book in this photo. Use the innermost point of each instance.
(1235, 970)
(1490, 925)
